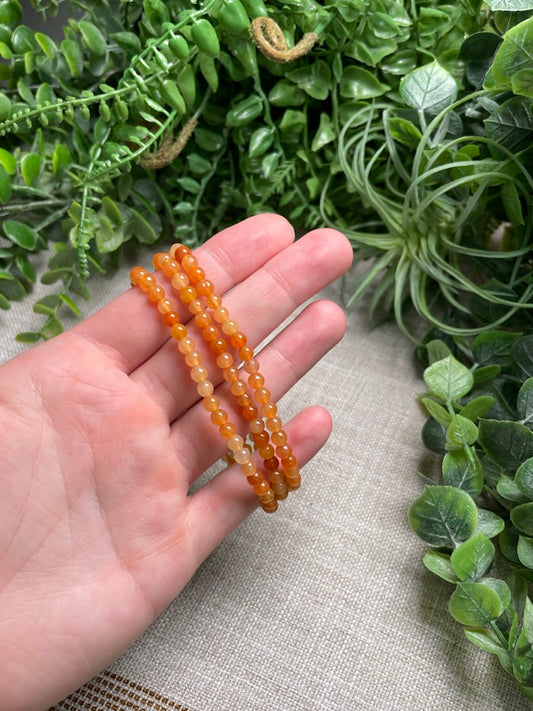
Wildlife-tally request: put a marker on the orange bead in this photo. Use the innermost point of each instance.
(196, 307)
(284, 451)
(188, 294)
(156, 293)
(289, 462)
(238, 387)
(256, 380)
(274, 424)
(170, 267)
(229, 327)
(178, 251)
(165, 306)
(224, 360)
(236, 442)
(266, 451)
(269, 410)
(228, 430)
(279, 438)
(211, 403)
(192, 359)
(159, 258)
(270, 507)
(249, 412)
(186, 345)
(221, 314)
(271, 464)
(170, 318)
(147, 282)
(218, 346)
(246, 353)
(180, 280)
(281, 490)
(262, 488)
(238, 339)
(210, 333)
(256, 426)
(205, 287)
(255, 478)
(137, 274)
(178, 331)
(230, 374)
(262, 395)
(205, 388)
(268, 497)
(219, 417)
(251, 365)
(213, 301)
(189, 263)
(249, 468)
(196, 275)
(261, 439)
(203, 319)
(199, 373)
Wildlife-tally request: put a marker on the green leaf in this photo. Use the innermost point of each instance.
(443, 516)
(439, 564)
(5, 185)
(509, 5)
(524, 478)
(430, 88)
(108, 236)
(438, 412)
(358, 83)
(501, 589)
(48, 305)
(522, 357)
(489, 523)
(314, 79)
(21, 234)
(448, 379)
(463, 470)
(325, 133)
(28, 337)
(524, 402)
(513, 55)
(73, 56)
(472, 559)
(508, 443)
(485, 639)
(53, 275)
(525, 551)
(26, 267)
(61, 159)
(47, 44)
(65, 298)
(461, 431)
(512, 124)
(474, 604)
(30, 167)
(112, 211)
(406, 133)
(8, 161)
(52, 327)
(493, 347)
(522, 518)
(507, 488)
(477, 407)
(93, 38)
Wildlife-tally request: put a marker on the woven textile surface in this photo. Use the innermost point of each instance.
(326, 604)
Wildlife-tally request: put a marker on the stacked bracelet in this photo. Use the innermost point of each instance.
(279, 473)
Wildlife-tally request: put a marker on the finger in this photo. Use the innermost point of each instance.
(226, 500)
(283, 362)
(127, 327)
(259, 304)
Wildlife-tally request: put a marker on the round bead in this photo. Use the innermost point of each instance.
(218, 346)
(262, 488)
(147, 282)
(269, 410)
(159, 259)
(266, 451)
(279, 438)
(251, 365)
(256, 380)
(245, 400)
(180, 281)
(178, 331)
(210, 333)
(170, 318)
(242, 455)
(230, 374)
(256, 426)
(213, 301)
(219, 417)
(268, 497)
(196, 274)
(238, 387)
(203, 319)
(289, 462)
(280, 490)
(192, 359)
(199, 373)
(221, 314)
(205, 287)
(189, 262)
(179, 251)
(262, 395)
(274, 424)
(245, 353)
(229, 327)
(254, 478)
(271, 464)
(249, 468)
(165, 306)
(228, 430)
(196, 306)
(238, 339)
(261, 439)
(156, 293)
(205, 388)
(284, 451)
(170, 267)
(211, 403)
(236, 442)
(188, 294)
(186, 345)
(249, 412)
(224, 360)
(137, 275)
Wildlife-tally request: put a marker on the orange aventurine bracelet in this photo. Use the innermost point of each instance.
(280, 472)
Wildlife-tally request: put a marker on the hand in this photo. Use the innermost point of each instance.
(102, 436)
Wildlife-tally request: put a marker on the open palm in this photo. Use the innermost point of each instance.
(102, 436)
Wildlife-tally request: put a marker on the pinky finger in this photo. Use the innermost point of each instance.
(227, 499)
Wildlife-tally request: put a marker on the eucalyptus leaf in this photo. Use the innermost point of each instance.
(461, 468)
(522, 518)
(524, 478)
(474, 604)
(473, 558)
(430, 88)
(448, 379)
(443, 516)
(525, 551)
(484, 639)
(489, 523)
(439, 564)
(522, 357)
(508, 443)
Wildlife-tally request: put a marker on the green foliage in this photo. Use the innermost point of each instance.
(486, 436)
(407, 125)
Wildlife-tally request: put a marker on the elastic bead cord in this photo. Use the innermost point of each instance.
(199, 374)
(238, 341)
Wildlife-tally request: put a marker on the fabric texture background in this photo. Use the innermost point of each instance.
(326, 604)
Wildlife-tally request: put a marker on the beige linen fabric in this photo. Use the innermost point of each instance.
(326, 604)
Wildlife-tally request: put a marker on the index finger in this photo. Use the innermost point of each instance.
(127, 325)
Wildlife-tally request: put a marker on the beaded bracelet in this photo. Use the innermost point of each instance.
(280, 472)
